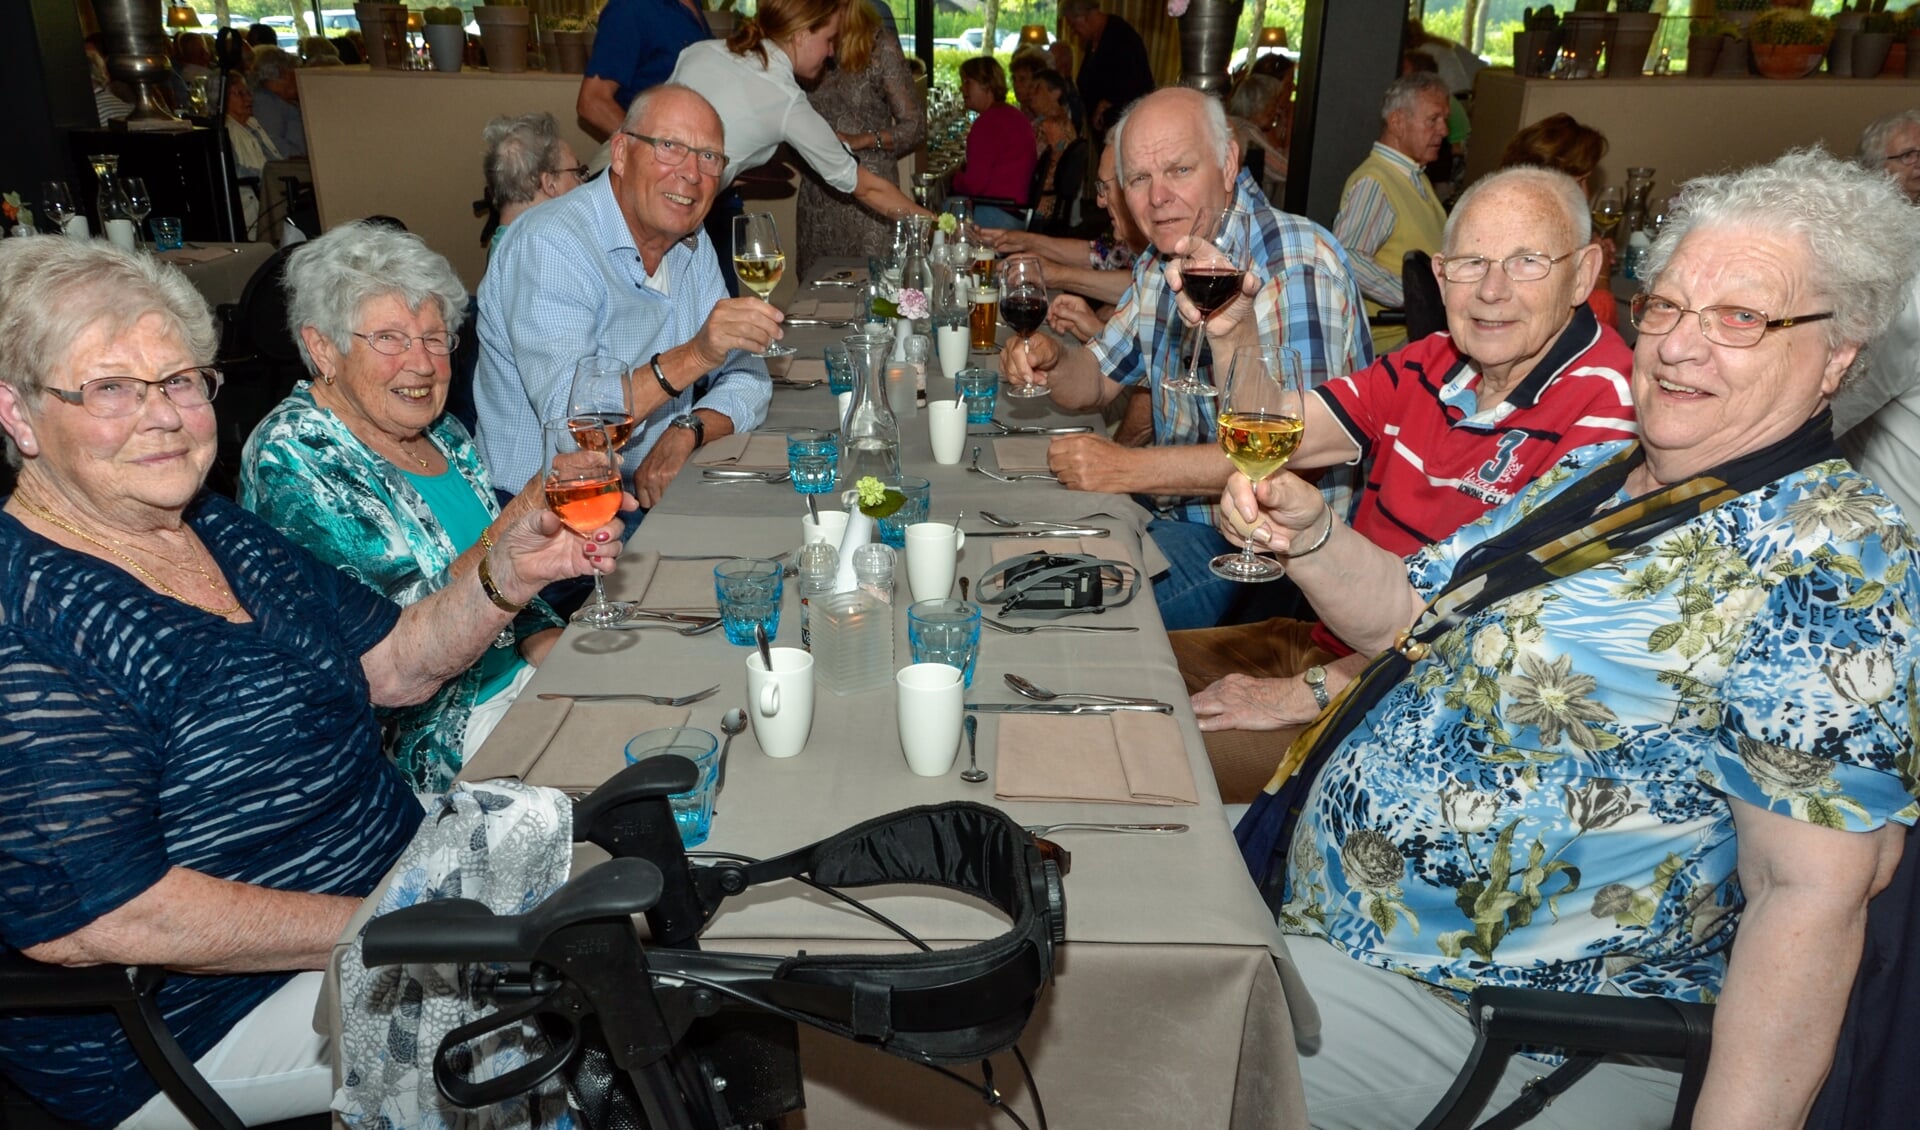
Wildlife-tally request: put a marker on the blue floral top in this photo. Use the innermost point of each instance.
(308, 475)
(1543, 800)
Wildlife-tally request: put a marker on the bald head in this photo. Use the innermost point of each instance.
(1184, 107)
(1177, 162)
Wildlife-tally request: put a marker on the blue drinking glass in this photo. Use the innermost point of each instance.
(893, 528)
(748, 590)
(812, 459)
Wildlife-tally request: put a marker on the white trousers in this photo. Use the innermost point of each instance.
(1389, 1050)
(487, 713)
(271, 1065)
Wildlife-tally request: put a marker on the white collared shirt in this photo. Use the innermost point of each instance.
(761, 106)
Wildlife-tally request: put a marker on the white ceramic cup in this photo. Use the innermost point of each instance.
(953, 348)
(933, 549)
(780, 703)
(832, 527)
(930, 701)
(947, 427)
(845, 401)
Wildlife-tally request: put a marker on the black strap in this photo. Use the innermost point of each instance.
(994, 587)
(1540, 1093)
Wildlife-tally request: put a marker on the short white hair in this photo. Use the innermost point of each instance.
(52, 291)
(1219, 135)
(1551, 184)
(329, 279)
(1872, 153)
(1403, 92)
(1828, 203)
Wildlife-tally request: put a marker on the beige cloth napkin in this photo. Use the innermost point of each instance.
(1120, 758)
(186, 256)
(807, 369)
(1107, 549)
(564, 744)
(830, 309)
(666, 586)
(1016, 454)
(753, 451)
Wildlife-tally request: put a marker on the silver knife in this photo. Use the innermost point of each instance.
(835, 323)
(1068, 708)
(1062, 532)
(1064, 430)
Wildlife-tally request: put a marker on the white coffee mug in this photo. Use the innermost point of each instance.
(832, 527)
(930, 700)
(933, 549)
(845, 401)
(953, 349)
(947, 427)
(780, 703)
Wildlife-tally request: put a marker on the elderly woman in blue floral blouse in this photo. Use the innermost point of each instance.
(1644, 730)
(365, 469)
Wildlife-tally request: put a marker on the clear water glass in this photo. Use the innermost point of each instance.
(748, 590)
(945, 631)
(812, 457)
(692, 810)
(893, 528)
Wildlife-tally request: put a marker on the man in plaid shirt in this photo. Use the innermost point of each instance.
(1178, 159)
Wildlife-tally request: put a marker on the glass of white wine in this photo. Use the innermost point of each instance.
(759, 262)
(1261, 420)
(1609, 205)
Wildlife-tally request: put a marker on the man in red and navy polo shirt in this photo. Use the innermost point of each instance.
(1447, 428)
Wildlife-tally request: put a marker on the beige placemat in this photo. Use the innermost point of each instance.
(189, 255)
(1107, 549)
(807, 369)
(1021, 453)
(830, 309)
(669, 586)
(754, 451)
(1120, 758)
(564, 744)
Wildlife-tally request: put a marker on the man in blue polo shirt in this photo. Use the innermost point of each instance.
(636, 46)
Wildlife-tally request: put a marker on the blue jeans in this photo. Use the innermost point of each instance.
(1190, 596)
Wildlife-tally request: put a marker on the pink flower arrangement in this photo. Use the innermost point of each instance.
(1177, 8)
(913, 304)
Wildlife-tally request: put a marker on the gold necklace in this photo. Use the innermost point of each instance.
(46, 514)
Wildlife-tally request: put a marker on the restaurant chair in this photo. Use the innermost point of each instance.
(1869, 1087)
(1420, 296)
(1069, 177)
(261, 362)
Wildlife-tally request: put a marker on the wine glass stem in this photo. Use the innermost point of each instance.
(1199, 343)
(599, 592)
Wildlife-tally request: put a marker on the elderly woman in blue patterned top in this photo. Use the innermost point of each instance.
(364, 468)
(190, 766)
(1687, 715)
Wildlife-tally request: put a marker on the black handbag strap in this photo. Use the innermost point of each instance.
(1116, 577)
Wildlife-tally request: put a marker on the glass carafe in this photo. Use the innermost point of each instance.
(870, 435)
(116, 220)
(1639, 189)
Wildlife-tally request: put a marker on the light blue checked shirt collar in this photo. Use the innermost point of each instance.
(566, 282)
(1308, 301)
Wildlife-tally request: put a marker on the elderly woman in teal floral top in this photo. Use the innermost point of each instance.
(365, 469)
(1648, 728)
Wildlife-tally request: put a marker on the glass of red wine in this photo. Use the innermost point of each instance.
(1023, 307)
(581, 476)
(1218, 258)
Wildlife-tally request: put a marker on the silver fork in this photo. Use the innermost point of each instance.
(1000, 478)
(635, 696)
(1029, 629)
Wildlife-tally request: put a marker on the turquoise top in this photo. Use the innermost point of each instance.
(306, 473)
(452, 501)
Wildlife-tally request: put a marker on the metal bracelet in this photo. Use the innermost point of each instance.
(1315, 547)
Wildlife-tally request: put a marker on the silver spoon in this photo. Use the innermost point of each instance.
(732, 722)
(972, 774)
(1041, 694)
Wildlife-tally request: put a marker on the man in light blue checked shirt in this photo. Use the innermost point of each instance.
(619, 267)
(1177, 158)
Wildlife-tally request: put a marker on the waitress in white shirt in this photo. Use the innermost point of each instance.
(753, 81)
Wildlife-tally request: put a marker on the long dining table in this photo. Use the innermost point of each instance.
(1173, 1005)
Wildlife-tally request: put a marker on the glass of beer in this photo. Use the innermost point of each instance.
(983, 318)
(1260, 423)
(982, 265)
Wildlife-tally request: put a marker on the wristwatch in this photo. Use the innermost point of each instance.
(693, 424)
(1316, 679)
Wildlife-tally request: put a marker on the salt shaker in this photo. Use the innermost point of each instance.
(819, 562)
(873, 566)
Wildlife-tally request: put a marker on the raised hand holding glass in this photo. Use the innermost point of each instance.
(582, 483)
(759, 262)
(1261, 422)
(1217, 260)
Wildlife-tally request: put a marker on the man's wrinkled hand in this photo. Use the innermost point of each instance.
(1224, 320)
(1030, 361)
(736, 323)
(1242, 702)
(1091, 462)
(663, 462)
(1070, 314)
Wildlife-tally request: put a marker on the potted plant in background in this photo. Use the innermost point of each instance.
(1586, 29)
(1788, 42)
(503, 33)
(1536, 46)
(446, 37)
(1706, 38)
(572, 41)
(1636, 25)
(1872, 42)
(1846, 25)
(1906, 31)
